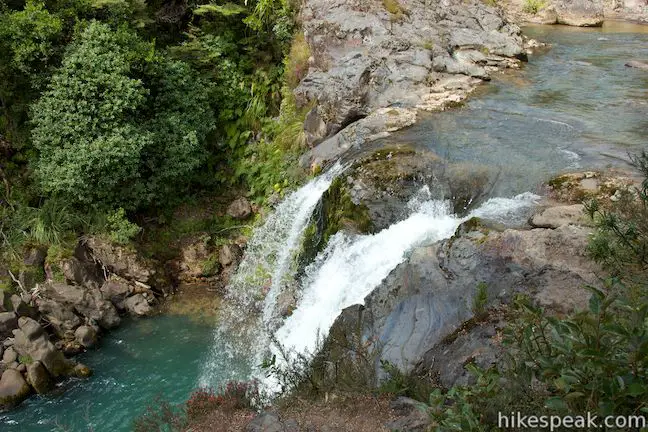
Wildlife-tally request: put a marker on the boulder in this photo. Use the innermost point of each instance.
(412, 415)
(9, 356)
(116, 291)
(31, 342)
(86, 336)
(8, 322)
(193, 259)
(230, 255)
(122, 260)
(240, 208)
(5, 301)
(81, 371)
(637, 64)
(88, 302)
(39, 378)
(265, 422)
(554, 217)
(580, 13)
(84, 273)
(13, 388)
(62, 317)
(35, 256)
(138, 305)
(22, 307)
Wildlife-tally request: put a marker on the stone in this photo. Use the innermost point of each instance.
(87, 274)
(5, 301)
(39, 348)
(62, 317)
(35, 256)
(86, 336)
(138, 305)
(554, 217)
(230, 254)
(86, 301)
(637, 64)
(412, 416)
(116, 292)
(81, 371)
(13, 388)
(240, 208)
(39, 378)
(22, 368)
(580, 13)
(122, 261)
(265, 422)
(22, 308)
(8, 322)
(9, 356)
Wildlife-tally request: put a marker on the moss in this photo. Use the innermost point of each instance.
(396, 11)
(211, 266)
(559, 181)
(296, 63)
(341, 212)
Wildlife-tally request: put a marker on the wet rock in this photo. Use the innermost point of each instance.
(8, 322)
(39, 378)
(9, 356)
(138, 305)
(230, 255)
(86, 336)
(412, 416)
(431, 294)
(13, 388)
(554, 217)
(637, 64)
(81, 371)
(62, 318)
(239, 208)
(265, 422)
(581, 13)
(34, 343)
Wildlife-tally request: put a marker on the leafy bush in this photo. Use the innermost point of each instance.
(533, 6)
(120, 229)
(119, 125)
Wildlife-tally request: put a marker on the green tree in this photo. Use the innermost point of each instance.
(119, 125)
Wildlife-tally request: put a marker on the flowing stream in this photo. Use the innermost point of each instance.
(575, 107)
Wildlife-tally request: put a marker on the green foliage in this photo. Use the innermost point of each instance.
(119, 125)
(409, 385)
(595, 360)
(533, 6)
(31, 35)
(25, 359)
(296, 62)
(120, 229)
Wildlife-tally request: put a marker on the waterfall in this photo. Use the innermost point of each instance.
(348, 269)
(352, 266)
(252, 292)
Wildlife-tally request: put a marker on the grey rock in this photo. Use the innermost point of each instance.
(138, 305)
(8, 322)
(431, 294)
(22, 368)
(5, 301)
(86, 336)
(39, 348)
(411, 416)
(88, 302)
(116, 292)
(239, 208)
(581, 13)
(637, 64)
(83, 273)
(35, 256)
(365, 58)
(13, 388)
(9, 356)
(554, 217)
(62, 317)
(265, 422)
(22, 308)
(122, 261)
(39, 378)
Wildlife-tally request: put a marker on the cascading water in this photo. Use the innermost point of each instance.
(252, 293)
(349, 268)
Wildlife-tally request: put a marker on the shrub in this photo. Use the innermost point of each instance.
(235, 395)
(533, 6)
(119, 126)
(120, 229)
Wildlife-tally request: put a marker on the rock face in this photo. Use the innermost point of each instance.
(39, 378)
(554, 217)
(367, 56)
(13, 388)
(431, 294)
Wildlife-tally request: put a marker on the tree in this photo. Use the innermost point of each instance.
(119, 125)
